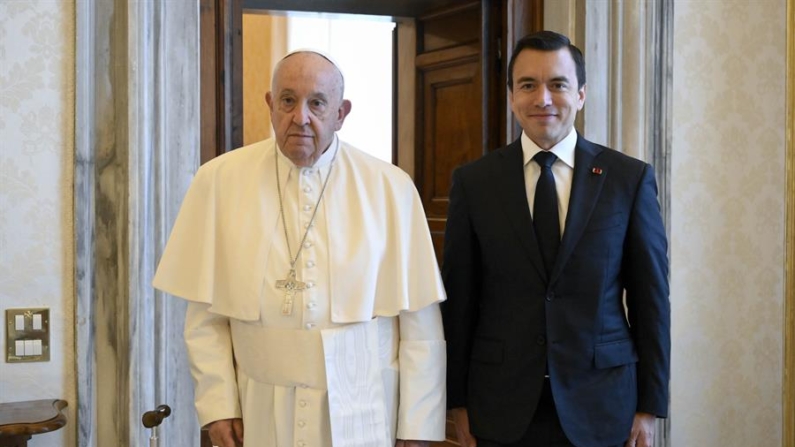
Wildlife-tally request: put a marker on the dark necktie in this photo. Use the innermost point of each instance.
(545, 210)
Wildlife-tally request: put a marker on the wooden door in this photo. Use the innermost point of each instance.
(460, 96)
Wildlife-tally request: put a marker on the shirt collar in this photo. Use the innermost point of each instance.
(326, 157)
(564, 150)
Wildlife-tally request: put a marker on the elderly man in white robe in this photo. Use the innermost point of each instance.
(313, 316)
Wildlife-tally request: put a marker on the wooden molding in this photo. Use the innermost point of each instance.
(221, 49)
(209, 131)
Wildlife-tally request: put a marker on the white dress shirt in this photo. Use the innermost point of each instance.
(562, 169)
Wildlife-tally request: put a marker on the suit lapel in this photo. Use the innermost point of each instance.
(509, 172)
(585, 188)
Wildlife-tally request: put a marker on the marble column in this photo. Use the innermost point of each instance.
(628, 48)
(137, 144)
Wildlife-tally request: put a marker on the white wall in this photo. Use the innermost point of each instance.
(36, 164)
(728, 203)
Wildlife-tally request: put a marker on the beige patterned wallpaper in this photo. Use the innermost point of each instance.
(727, 230)
(727, 211)
(36, 165)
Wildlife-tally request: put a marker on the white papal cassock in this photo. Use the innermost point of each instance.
(361, 359)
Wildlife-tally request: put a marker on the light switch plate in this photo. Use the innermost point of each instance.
(28, 335)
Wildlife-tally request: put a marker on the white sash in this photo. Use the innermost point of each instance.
(355, 386)
(350, 372)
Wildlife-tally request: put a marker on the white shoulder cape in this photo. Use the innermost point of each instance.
(381, 255)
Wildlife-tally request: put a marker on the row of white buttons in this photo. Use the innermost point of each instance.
(310, 304)
(308, 244)
(308, 208)
(301, 423)
(309, 284)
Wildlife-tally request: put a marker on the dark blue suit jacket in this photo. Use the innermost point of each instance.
(505, 320)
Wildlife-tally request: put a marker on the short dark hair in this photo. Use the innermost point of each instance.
(548, 41)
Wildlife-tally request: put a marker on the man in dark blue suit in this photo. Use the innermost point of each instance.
(555, 263)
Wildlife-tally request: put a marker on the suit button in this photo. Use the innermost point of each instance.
(541, 340)
(550, 296)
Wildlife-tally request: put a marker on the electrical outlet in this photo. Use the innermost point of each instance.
(28, 335)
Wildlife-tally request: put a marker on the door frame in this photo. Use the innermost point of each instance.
(221, 59)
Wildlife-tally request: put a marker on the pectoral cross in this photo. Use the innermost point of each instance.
(290, 286)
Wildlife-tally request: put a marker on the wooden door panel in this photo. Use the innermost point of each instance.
(451, 27)
(449, 112)
(451, 104)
